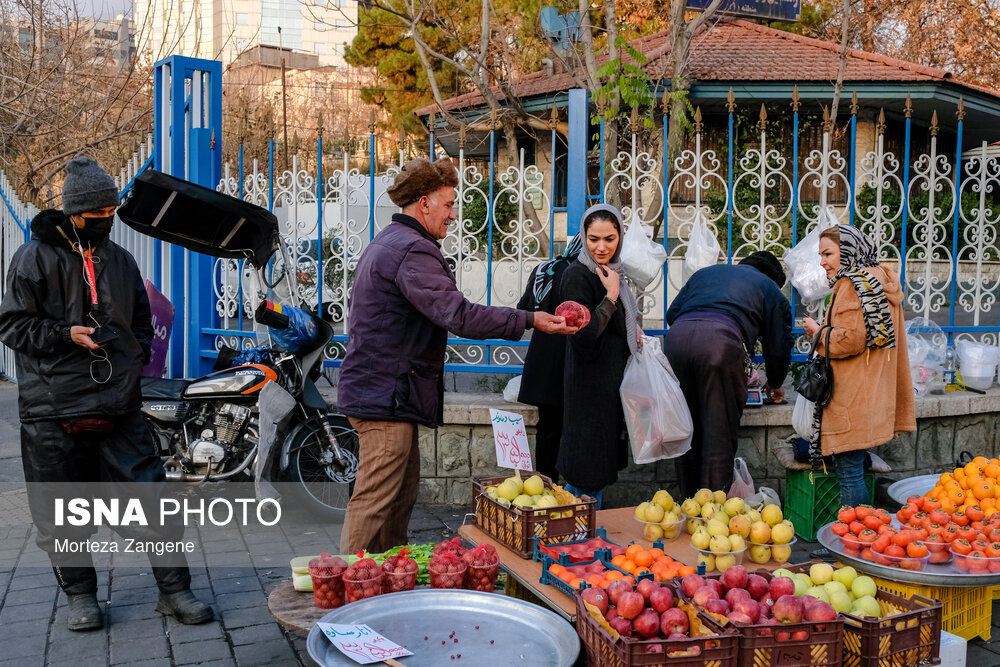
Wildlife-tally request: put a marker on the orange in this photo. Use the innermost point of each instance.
(981, 460)
(972, 468)
(632, 550)
(618, 560)
(556, 569)
(641, 571)
(983, 490)
(567, 576)
(956, 494)
(686, 570)
(948, 505)
(575, 583)
(643, 558)
(596, 580)
(611, 575)
(656, 553)
(991, 470)
(628, 566)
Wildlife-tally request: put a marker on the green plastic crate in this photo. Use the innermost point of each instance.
(812, 504)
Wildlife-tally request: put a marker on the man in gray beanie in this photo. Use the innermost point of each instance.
(77, 317)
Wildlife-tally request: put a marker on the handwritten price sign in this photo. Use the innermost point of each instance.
(361, 644)
(511, 440)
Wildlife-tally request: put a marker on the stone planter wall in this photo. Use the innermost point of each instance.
(463, 448)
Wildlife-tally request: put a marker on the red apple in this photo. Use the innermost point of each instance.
(611, 614)
(748, 607)
(703, 595)
(783, 636)
(820, 611)
(647, 623)
(734, 594)
(622, 625)
(616, 588)
(690, 584)
(645, 588)
(677, 636)
(661, 599)
(630, 604)
(787, 609)
(597, 597)
(716, 584)
(717, 606)
(767, 601)
(801, 634)
(739, 617)
(757, 586)
(674, 620)
(735, 577)
(782, 586)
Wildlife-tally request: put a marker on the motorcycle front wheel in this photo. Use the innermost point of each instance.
(319, 481)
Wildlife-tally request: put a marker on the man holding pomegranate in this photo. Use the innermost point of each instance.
(402, 306)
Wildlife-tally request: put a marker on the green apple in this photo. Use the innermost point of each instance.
(819, 593)
(523, 500)
(869, 605)
(840, 601)
(804, 578)
(845, 575)
(821, 573)
(801, 587)
(547, 501)
(783, 572)
(832, 587)
(864, 586)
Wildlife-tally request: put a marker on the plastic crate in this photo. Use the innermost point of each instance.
(965, 612)
(823, 644)
(602, 556)
(812, 504)
(517, 527)
(718, 650)
(552, 550)
(909, 633)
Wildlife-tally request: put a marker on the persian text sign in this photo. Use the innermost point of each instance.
(511, 440)
(776, 10)
(361, 644)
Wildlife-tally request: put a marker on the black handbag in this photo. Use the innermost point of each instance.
(816, 383)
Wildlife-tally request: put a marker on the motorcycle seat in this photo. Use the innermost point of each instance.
(164, 388)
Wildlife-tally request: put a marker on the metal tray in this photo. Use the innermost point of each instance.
(934, 574)
(913, 486)
(522, 633)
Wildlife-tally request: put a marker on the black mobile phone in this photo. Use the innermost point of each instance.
(103, 335)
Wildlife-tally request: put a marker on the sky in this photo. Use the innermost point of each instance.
(104, 9)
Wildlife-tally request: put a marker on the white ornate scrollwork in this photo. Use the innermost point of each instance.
(255, 186)
(521, 238)
(761, 170)
(465, 245)
(824, 169)
(344, 237)
(925, 284)
(879, 170)
(295, 200)
(977, 279)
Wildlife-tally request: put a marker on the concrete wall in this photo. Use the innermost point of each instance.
(463, 448)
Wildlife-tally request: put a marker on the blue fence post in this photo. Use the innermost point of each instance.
(854, 159)
(960, 114)
(319, 223)
(795, 182)
(908, 111)
(731, 107)
(576, 160)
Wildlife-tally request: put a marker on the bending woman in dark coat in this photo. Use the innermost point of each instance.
(594, 443)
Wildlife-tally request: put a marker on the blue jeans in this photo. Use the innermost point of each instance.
(851, 475)
(596, 495)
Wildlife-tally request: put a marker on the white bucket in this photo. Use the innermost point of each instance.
(978, 363)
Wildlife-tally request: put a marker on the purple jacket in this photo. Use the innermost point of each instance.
(402, 306)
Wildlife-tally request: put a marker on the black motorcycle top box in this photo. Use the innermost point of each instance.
(198, 218)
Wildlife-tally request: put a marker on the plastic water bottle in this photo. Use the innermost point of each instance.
(950, 369)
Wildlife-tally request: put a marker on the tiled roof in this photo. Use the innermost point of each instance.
(737, 50)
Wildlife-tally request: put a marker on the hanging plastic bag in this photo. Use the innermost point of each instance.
(742, 481)
(643, 259)
(300, 332)
(765, 496)
(656, 414)
(703, 248)
(802, 417)
(806, 274)
(513, 388)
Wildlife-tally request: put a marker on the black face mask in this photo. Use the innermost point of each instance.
(95, 230)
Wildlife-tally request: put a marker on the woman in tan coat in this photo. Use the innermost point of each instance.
(872, 390)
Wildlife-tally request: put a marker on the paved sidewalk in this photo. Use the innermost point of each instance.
(236, 571)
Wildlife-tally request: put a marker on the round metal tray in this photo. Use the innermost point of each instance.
(914, 486)
(934, 574)
(522, 633)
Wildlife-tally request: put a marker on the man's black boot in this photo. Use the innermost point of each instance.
(185, 607)
(84, 613)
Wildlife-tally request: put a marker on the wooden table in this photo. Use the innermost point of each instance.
(295, 610)
(621, 527)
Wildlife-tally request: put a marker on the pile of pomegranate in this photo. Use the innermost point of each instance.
(362, 580)
(399, 573)
(328, 583)
(483, 565)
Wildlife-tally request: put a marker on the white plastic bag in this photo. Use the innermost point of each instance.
(765, 496)
(742, 481)
(703, 248)
(643, 259)
(804, 270)
(513, 388)
(802, 417)
(659, 422)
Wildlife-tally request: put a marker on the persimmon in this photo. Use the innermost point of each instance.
(916, 550)
(960, 518)
(892, 550)
(847, 514)
(840, 529)
(863, 511)
(961, 546)
(902, 538)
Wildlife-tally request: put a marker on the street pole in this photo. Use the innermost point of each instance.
(284, 111)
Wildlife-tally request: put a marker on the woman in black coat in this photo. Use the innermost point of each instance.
(544, 363)
(594, 444)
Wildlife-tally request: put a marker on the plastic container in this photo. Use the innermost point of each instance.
(770, 547)
(664, 532)
(326, 573)
(812, 505)
(976, 564)
(571, 552)
(482, 577)
(361, 589)
(394, 582)
(696, 522)
(712, 560)
(908, 632)
(977, 363)
(447, 577)
(903, 562)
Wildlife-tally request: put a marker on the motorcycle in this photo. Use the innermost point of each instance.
(209, 428)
